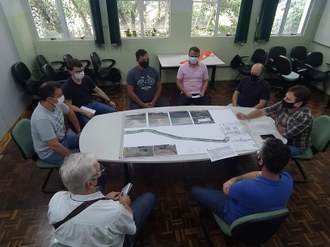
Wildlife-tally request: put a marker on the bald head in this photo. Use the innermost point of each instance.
(258, 69)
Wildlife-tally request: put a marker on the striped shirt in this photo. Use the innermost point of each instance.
(298, 125)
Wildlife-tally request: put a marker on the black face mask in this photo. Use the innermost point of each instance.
(254, 78)
(144, 64)
(287, 105)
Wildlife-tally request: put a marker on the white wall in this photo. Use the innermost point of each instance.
(12, 100)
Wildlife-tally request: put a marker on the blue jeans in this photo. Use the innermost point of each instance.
(100, 108)
(183, 100)
(295, 150)
(71, 141)
(213, 200)
(142, 207)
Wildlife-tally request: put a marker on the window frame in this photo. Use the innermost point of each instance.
(65, 30)
(141, 27)
(216, 21)
(306, 15)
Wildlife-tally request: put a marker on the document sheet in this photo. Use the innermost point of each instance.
(184, 133)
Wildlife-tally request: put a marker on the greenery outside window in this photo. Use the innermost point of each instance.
(144, 18)
(291, 17)
(62, 19)
(214, 17)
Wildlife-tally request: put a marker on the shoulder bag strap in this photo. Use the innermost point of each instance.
(76, 211)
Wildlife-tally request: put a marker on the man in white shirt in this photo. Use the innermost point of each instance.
(107, 221)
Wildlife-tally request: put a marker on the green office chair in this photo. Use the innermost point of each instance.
(320, 140)
(253, 229)
(58, 245)
(21, 134)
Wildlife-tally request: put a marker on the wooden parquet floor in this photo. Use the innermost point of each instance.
(175, 221)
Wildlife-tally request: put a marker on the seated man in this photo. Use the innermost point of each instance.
(77, 91)
(143, 83)
(105, 222)
(252, 91)
(253, 192)
(192, 80)
(293, 119)
(51, 140)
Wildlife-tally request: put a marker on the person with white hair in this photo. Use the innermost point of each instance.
(103, 220)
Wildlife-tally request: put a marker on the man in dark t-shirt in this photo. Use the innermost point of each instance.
(143, 83)
(252, 91)
(78, 90)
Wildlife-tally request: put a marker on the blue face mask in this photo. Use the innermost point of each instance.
(193, 60)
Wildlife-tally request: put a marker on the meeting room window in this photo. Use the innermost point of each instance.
(144, 18)
(62, 19)
(291, 17)
(214, 17)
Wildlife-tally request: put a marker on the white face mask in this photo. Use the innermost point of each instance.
(60, 100)
(193, 60)
(79, 75)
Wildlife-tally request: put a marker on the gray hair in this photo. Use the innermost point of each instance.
(76, 170)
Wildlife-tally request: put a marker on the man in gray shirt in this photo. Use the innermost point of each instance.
(143, 83)
(51, 140)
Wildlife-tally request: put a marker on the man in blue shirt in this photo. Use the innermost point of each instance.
(143, 83)
(253, 192)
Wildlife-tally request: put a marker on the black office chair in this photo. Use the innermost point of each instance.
(51, 75)
(105, 73)
(41, 60)
(259, 56)
(86, 63)
(299, 53)
(286, 76)
(22, 76)
(274, 52)
(312, 74)
(62, 74)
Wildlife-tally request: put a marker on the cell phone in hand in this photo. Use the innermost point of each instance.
(127, 188)
(264, 137)
(195, 95)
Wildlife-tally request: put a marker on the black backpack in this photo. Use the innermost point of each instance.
(115, 76)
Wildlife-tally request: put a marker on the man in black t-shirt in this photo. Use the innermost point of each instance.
(252, 91)
(77, 92)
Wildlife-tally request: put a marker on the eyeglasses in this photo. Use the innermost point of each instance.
(98, 175)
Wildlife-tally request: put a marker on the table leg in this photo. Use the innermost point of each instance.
(160, 71)
(212, 77)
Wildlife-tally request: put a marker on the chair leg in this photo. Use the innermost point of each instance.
(44, 185)
(237, 76)
(203, 216)
(301, 171)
